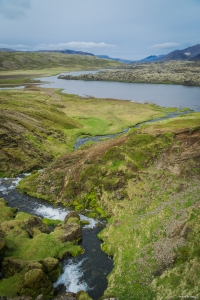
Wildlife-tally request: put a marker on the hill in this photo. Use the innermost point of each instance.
(147, 182)
(37, 61)
(195, 58)
(7, 50)
(184, 54)
(175, 55)
(67, 52)
(176, 72)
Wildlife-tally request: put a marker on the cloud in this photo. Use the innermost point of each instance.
(165, 46)
(19, 47)
(14, 9)
(74, 45)
(84, 46)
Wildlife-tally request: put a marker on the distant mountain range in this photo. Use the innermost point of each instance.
(67, 52)
(7, 50)
(190, 53)
(124, 61)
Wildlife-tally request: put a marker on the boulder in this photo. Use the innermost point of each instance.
(71, 214)
(83, 296)
(35, 226)
(10, 266)
(65, 296)
(69, 232)
(52, 268)
(35, 283)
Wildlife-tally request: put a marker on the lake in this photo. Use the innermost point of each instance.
(161, 94)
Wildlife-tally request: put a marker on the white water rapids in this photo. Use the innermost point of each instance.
(72, 274)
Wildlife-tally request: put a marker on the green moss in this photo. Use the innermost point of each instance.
(7, 283)
(6, 212)
(51, 222)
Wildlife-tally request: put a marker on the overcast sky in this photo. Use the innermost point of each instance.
(131, 29)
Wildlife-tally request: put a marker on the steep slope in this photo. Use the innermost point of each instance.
(148, 183)
(32, 131)
(175, 55)
(195, 58)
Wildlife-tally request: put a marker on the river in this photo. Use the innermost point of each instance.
(87, 271)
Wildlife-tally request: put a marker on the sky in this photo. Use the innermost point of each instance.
(129, 29)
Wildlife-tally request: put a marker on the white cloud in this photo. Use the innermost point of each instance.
(165, 46)
(15, 47)
(14, 9)
(74, 45)
(82, 46)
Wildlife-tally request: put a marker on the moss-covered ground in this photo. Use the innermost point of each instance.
(37, 125)
(171, 72)
(30, 245)
(146, 184)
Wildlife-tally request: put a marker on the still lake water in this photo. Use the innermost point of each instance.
(161, 94)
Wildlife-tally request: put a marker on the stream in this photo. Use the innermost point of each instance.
(86, 272)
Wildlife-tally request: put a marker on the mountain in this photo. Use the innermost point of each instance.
(68, 52)
(192, 51)
(175, 55)
(152, 58)
(184, 54)
(121, 60)
(7, 50)
(197, 57)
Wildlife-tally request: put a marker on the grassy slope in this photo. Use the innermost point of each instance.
(38, 125)
(148, 184)
(17, 68)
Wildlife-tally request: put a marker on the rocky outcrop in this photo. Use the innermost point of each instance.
(176, 72)
(34, 226)
(52, 268)
(70, 215)
(69, 232)
(36, 282)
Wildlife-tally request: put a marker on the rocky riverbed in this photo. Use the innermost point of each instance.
(173, 72)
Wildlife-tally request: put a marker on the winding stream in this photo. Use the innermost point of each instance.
(87, 271)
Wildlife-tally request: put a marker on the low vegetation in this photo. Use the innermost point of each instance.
(146, 184)
(19, 68)
(176, 72)
(38, 125)
(30, 252)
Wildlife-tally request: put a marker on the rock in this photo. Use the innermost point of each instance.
(72, 214)
(24, 297)
(83, 296)
(52, 268)
(40, 297)
(35, 283)
(10, 266)
(69, 232)
(2, 244)
(35, 226)
(65, 296)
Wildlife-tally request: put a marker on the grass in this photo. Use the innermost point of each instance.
(152, 200)
(19, 68)
(38, 125)
(28, 254)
